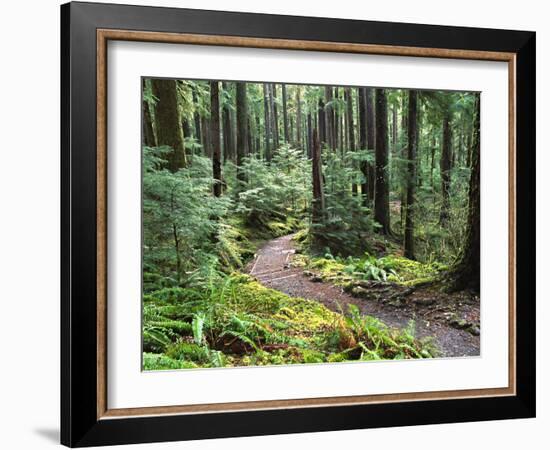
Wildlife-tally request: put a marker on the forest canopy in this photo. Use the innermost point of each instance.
(283, 222)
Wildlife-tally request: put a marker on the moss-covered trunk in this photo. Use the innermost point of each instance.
(465, 272)
(169, 130)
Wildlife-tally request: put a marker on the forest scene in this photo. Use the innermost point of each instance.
(289, 224)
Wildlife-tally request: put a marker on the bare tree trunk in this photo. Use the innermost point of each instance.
(228, 144)
(274, 116)
(382, 200)
(309, 136)
(298, 119)
(394, 130)
(403, 155)
(329, 118)
(257, 141)
(317, 176)
(362, 112)
(250, 146)
(267, 122)
(419, 119)
(345, 126)
(321, 121)
(371, 138)
(242, 129)
(411, 176)
(285, 113)
(432, 162)
(351, 128)
(336, 119)
(205, 130)
(196, 116)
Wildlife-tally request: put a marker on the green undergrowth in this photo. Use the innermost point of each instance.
(390, 268)
(236, 321)
(237, 241)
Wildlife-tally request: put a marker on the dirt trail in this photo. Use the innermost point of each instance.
(272, 267)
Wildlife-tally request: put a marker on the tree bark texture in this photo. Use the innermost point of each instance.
(169, 131)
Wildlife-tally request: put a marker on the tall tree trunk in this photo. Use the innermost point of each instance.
(275, 116)
(351, 127)
(432, 162)
(382, 199)
(285, 113)
(205, 131)
(403, 155)
(196, 116)
(364, 166)
(321, 121)
(215, 137)
(186, 128)
(336, 119)
(342, 130)
(412, 134)
(298, 119)
(371, 138)
(267, 122)
(469, 149)
(242, 128)
(394, 131)
(250, 146)
(309, 136)
(419, 126)
(148, 137)
(228, 144)
(169, 131)
(465, 273)
(345, 126)
(257, 137)
(329, 118)
(445, 167)
(318, 206)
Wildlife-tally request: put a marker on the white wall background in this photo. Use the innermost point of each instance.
(29, 224)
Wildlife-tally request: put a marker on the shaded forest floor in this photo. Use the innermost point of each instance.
(452, 319)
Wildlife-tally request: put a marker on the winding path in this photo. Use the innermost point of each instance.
(272, 268)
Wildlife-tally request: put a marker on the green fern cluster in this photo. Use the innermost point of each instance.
(391, 268)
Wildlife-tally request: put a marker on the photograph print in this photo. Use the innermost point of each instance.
(298, 224)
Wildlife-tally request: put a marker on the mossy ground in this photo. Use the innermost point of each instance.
(392, 268)
(236, 321)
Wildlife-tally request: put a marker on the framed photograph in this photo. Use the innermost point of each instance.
(277, 224)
